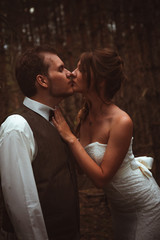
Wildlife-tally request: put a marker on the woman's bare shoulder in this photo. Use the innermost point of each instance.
(122, 122)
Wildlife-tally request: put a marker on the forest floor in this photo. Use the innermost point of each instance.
(95, 215)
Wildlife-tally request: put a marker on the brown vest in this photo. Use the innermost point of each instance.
(55, 179)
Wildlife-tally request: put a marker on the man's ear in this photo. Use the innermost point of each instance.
(42, 80)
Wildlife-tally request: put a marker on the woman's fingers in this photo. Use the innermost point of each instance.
(54, 122)
(58, 115)
(61, 125)
(58, 120)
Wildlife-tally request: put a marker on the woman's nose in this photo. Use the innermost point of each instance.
(74, 74)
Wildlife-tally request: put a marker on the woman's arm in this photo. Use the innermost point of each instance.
(117, 147)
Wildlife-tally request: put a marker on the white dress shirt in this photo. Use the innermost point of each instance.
(17, 151)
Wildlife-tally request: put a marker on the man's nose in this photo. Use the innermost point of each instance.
(68, 73)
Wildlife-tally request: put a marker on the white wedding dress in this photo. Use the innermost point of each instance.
(134, 196)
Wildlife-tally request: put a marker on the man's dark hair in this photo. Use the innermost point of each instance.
(29, 65)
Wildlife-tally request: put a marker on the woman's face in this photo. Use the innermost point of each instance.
(79, 83)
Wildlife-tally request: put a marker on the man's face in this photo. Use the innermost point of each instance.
(59, 83)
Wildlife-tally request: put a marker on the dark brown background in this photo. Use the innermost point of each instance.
(72, 26)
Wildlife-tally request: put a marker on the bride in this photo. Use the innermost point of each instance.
(104, 151)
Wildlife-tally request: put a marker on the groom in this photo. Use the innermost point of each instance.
(37, 176)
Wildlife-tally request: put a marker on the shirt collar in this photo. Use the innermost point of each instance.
(38, 107)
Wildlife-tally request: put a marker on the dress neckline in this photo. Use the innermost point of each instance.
(102, 144)
(93, 143)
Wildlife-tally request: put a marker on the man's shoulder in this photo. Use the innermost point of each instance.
(14, 122)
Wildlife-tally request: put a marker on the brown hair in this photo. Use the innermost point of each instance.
(29, 65)
(97, 66)
(103, 65)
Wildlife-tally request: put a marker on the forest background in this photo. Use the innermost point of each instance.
(73, 26)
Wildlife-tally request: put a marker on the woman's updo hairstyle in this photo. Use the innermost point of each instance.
(103, 65)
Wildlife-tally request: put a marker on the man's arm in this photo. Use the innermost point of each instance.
(18, 183)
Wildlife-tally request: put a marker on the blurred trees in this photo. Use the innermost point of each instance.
(72, 27)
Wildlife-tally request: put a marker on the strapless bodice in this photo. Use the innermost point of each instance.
(96, 151)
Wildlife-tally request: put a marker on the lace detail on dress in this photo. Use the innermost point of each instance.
(96, 151)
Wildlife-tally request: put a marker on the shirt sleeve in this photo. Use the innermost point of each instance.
(17, 179)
